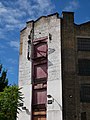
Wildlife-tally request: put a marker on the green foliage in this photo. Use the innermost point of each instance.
(10, 100)
(3, 79)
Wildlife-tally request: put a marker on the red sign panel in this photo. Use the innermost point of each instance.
(40, 50)
(40, 96)
(41, 71)
(41, 39)
(39, 68)
(39, 118)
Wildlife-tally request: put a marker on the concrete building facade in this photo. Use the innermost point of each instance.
(54, 69)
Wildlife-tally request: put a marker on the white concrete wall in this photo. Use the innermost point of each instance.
(25, 76)
(54, 84)
(42, 28)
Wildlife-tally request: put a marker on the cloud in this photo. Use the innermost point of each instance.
(2, 32)
(2, 46)
(11, 70)
(11, 61)
(14, 14)
(36, 6)
(14, 45)
(43, 6)
(23, 9)
(10, 16)
(72, 5)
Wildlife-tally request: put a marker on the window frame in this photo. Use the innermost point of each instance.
(83, 67)
(83, 43)
(84, 90)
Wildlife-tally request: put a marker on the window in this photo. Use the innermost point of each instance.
(84, 67)
(85, 93)
(83, 44)
(83, 116)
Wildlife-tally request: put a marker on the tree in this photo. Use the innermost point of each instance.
(10, 100)
(3, 78)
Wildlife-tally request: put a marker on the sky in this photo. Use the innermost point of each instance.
(13, 17)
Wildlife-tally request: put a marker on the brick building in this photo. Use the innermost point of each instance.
(54, 69)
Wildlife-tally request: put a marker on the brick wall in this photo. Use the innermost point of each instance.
(70, 55)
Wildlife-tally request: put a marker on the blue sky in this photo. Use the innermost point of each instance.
(15, 13)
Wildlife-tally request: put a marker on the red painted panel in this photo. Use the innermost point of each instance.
(40, 50)
(39, 118)
(41, 39)
(41, 71)
(40, 97)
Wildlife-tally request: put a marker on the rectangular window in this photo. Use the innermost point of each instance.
(83, 44)
(84, 67)
(83, 116)
(85, 93)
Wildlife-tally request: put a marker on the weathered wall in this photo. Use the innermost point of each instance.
(68, 66)
(42, 27)
(82, 31)
(64, 34)
(54, 84)
(45, 26)
(25, 74)
(72, 107)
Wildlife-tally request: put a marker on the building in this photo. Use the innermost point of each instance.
(54, 69)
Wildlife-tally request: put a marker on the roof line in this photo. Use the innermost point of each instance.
(88, 22)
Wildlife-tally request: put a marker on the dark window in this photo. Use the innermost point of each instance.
(83, 116)
(40, 96)
(83, 44)
(85, 93)
(84, 67)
